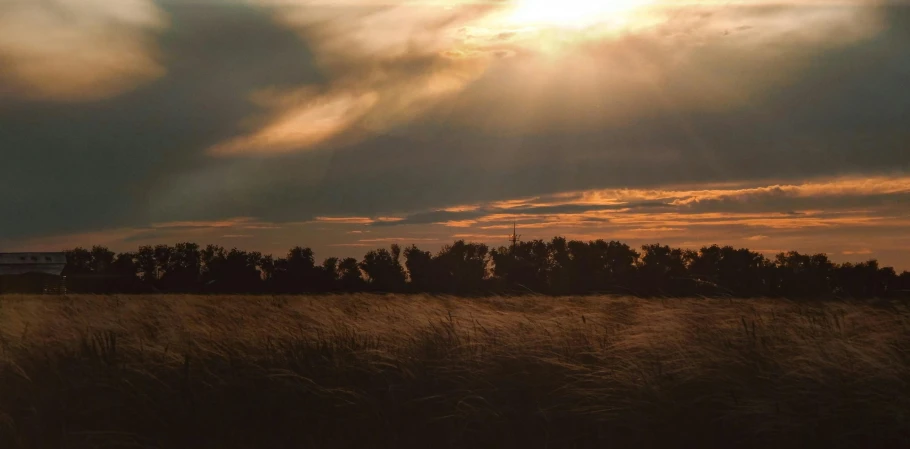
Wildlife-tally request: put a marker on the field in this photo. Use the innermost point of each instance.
(367, 371)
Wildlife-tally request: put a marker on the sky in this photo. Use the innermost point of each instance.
(347, 125)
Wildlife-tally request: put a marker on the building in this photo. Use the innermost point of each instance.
(32, 273)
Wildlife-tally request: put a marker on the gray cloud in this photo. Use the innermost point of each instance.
(79, 166)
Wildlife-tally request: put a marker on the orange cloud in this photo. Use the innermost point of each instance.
(305, 120)
(388, 219)
(876, 230)
(857, 252)
(345, 220)
(459, 223)
(648, 215)
(659, 229)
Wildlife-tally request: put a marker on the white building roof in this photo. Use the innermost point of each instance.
(25, 263)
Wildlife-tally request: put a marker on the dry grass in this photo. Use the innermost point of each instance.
(424, 372)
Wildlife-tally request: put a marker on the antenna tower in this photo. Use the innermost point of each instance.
(515, 236)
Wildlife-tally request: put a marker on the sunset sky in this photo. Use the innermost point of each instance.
(346, 125)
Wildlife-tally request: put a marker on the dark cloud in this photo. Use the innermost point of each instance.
(77, 166)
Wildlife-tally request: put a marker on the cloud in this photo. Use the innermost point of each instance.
(389, 64)
(345, 220)
(521, 210)
(136, 158)
(658, 230)
(731, 213)
(122, 238)
(822, 203)
(874, 231)
(385, 64)
(240, 222)
(459, 223)
(437, 216)
(305, 119)
(64, 50)
(857, 252)
(671, 57)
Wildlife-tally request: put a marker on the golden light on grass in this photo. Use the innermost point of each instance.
(419, 371)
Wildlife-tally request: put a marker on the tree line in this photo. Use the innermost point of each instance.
(558, 267)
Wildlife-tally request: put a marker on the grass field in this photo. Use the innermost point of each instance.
(435, 372)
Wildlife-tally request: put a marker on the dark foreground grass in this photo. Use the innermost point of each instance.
(422, 372)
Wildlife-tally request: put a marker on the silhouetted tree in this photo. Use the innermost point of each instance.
(126, 264)
(461, 267)
(267, 266)
(302, 270)
(559, 266)
(525, 265)
(182, 267)
(383, 269)
(102, 259)
(301, 259)
(903, 283)
(577, 267)
(297, 273)
(620, 263)
(663, 270)
(78, 261)
(350, 276)
(803, 275)
(162, 259)
(234, 270)
(148, 264)
(738, 272)
(864, 280)
(422, 271)
(100, 270)
(563, 273)
(328, 276)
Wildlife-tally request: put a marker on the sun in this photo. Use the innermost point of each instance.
(571, 13)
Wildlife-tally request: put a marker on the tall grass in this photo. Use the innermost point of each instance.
(436, 372)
